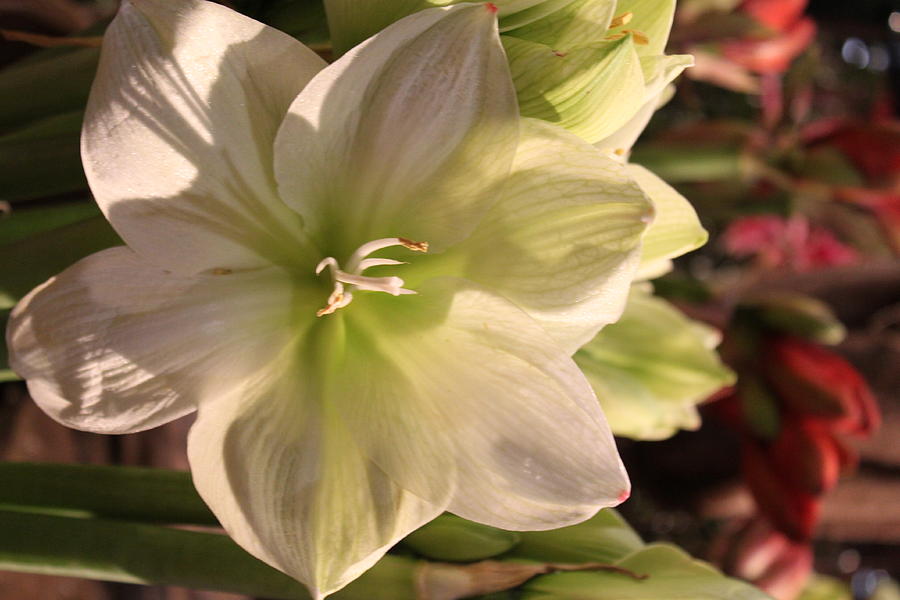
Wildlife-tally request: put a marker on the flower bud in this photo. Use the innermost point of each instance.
(796, 314)
(792, 510)
(806, 455)
(758, 407)
(764, 556)
(788, 575)
(818, 383)
(605, 537)
(454, 539)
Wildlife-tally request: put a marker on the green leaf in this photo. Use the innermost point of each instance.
(827, 588)
(27, 220)
(42, 158)
(606, 537)
(29, 262)
(455, 539)
(6, 374)
(671, 575)
(651, 368)
(302, 19)
(50, 84)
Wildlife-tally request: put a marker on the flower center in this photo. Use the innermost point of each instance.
(352, 278)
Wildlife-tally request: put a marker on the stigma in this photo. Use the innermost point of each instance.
(351, 278)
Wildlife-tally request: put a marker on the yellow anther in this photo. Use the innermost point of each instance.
(640, 38)
(623, 19)
(414, 246)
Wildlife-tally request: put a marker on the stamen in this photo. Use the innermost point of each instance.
(378, 262)
(358, 263)
(623, 19)
(640, 38)
(414, 246)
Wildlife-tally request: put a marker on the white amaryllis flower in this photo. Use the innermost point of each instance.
(270, 206)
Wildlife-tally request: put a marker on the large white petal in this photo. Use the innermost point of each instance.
(456, 384)
(675, 231)
(564, 239)
(116, 345)
(284, 476)
(568, 24)
(659, 71)
(405, 135)
(178, 134)
(352, 21)
(591, 90)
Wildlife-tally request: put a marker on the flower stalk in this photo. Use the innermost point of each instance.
(146, 554)
(133, 493)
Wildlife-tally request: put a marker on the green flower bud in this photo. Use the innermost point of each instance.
(455, 539)
(796, 314)
(605, 537)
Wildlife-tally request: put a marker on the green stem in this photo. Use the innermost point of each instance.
(147, 554)
(133, 493)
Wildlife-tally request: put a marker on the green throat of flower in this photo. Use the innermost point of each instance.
(352, 278)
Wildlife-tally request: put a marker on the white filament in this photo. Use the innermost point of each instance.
(358, 262)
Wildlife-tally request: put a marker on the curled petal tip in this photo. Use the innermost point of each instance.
(625, 495)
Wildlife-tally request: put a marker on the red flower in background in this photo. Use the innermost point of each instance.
(790, 33)
(775, 14)
(873, 149)
(820, 386)
(755, 551)
(793, 405)
(792, 243)
(884, 206)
